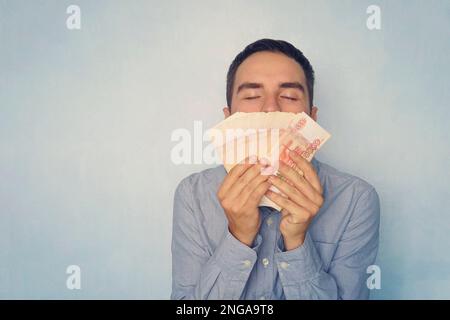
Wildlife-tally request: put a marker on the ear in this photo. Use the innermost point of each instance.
(226, 112)
(314, 111)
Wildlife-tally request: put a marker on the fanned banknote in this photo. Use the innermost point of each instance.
(269, 136)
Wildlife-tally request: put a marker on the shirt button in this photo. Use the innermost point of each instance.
(247, 263)
(265, 262)
(269, 221)
(284, 265)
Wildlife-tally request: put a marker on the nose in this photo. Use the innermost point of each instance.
(271, 104)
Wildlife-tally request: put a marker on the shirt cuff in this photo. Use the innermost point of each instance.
(236, 259)
(298, 265)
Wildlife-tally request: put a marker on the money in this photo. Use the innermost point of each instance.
(269, 136)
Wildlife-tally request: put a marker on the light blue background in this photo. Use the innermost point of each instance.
(86, 118)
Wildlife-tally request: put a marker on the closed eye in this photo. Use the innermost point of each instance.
(289, 98)
(251, 98)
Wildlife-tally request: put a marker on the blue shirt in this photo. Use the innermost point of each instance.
(208, 262)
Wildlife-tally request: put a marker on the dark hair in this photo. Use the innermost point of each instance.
(272, 46)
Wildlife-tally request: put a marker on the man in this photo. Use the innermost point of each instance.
(318, 247)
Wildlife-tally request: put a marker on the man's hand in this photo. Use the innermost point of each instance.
(302, 202)
(239, 195)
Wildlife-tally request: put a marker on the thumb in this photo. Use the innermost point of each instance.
(286, 215)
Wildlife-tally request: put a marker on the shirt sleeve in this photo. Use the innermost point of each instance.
(301, 270)
(199, 273)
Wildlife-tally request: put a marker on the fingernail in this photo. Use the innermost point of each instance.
(252, 159)
(267, 171)
(264, 161)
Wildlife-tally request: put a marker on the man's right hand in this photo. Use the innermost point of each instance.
(240, 194)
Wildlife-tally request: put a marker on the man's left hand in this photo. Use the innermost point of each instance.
(302, 201)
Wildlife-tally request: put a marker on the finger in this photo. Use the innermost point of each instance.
(294, 194)
(300, 183)
(299, 214)
(255, 197)
(255, 191)
(234, 174)
(308, 170)
(241, 183)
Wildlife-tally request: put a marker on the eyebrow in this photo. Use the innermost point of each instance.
(284, 85)
(293, 85)
(249, 85)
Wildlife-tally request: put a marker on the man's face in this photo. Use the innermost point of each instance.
(267, 82)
